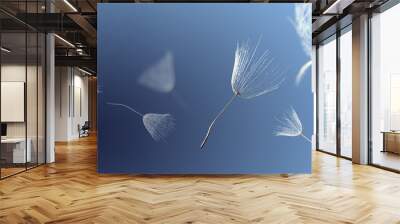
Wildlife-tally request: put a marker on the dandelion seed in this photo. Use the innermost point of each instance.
(302, 25)
(290, 125)
(251, 77)
(160, 77)
(302, 72)
(159, 126)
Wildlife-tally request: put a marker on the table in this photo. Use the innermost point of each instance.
(13, 150)
(391, 141)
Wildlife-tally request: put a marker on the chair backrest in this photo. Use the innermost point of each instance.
(86, 125)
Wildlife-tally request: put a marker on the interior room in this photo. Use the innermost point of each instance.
(157, 111)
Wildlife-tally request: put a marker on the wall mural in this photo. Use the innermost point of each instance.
(179, 62)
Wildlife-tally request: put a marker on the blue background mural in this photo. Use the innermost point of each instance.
(202, 39)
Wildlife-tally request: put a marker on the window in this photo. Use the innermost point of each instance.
(385, 89)
(346, 92)
(327, 96)
(22, 88)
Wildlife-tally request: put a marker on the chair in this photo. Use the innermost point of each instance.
(84, 130)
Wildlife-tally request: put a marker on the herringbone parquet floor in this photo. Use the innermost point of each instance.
(70, 191)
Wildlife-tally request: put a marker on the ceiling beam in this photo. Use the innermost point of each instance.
(84, 24)
(337, 6)
(81, 61)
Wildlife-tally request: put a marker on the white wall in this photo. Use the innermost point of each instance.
(16, 73)
(9, 73)
(80, 85)
(70, 84)
(62, 81)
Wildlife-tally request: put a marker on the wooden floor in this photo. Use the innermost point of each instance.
(386, 159)
(70, 191)
(5, 172)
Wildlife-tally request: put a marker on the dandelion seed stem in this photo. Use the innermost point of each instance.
(216, 118)
(126, 106)
(305, 137)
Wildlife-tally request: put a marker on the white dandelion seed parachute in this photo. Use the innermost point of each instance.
(302, 72)
(252, 76)
(302, 25)
(160, 77)
(290, 125)
(159, 126)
